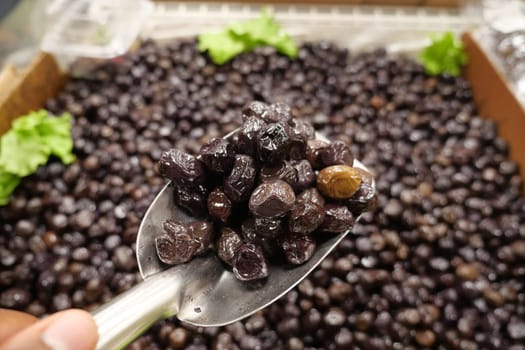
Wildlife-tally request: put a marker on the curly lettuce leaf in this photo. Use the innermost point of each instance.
(221, 46)
(8, 183)
(445, 54)
(239, 37)
(29, 143)
(22, 152)
(56, 133)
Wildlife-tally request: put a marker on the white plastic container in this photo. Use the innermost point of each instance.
(95, 28)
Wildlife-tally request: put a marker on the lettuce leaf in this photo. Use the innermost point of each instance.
(29, 143)
(239, 37)
(445, 54)
(221, 47)
(8, 183)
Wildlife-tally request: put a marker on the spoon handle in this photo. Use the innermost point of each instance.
(125, 317)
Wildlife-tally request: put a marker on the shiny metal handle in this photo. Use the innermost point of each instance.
(131, 313)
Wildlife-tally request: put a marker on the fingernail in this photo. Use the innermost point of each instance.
(66, 332)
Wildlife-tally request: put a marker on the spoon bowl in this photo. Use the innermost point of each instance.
(202, 292)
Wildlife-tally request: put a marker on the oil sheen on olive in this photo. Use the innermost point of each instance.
(219, 205)
(272, 199)
(338, 181)
(227, 244)
(176, 249)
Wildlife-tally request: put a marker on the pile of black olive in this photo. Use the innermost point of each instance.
(439, 265)
(260, 192)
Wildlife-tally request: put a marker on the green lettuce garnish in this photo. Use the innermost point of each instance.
(29, 143)
(8, 183)
(445, 54)
(239, 37)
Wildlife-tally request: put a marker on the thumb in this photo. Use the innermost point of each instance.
(66, 330)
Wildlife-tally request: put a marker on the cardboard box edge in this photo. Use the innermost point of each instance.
(495, 100)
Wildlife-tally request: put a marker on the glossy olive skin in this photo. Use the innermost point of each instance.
(247, 139)
(301, 132)
(252, 233)
(283, 170)
(257, 109)
(172, 227)
(249, 263)
(203, 233)
(239, 183)
(175, 249)
(218, 155)
(311, 195)
(305, 217)
(314, 150)
(336, 153)
(227, 244)
(365, 198)
(305, 175)
(272, 199)
(281, 112)
(181, 168)
(219, 205)
(302, 129)
(273, 142)
(337, 219)
(297, 248)
(268, 227)
(338, 181)
(191, 198)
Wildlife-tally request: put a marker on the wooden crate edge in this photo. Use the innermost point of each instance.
(495, 99)
(41, 80)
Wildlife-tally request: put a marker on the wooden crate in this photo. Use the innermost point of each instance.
(26, 91)
(495, 99)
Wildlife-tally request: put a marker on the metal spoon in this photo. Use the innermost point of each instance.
(201, 292)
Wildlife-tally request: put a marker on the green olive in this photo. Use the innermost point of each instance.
(339, 181)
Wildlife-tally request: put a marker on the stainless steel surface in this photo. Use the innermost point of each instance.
(202, 292)
(128, 315)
